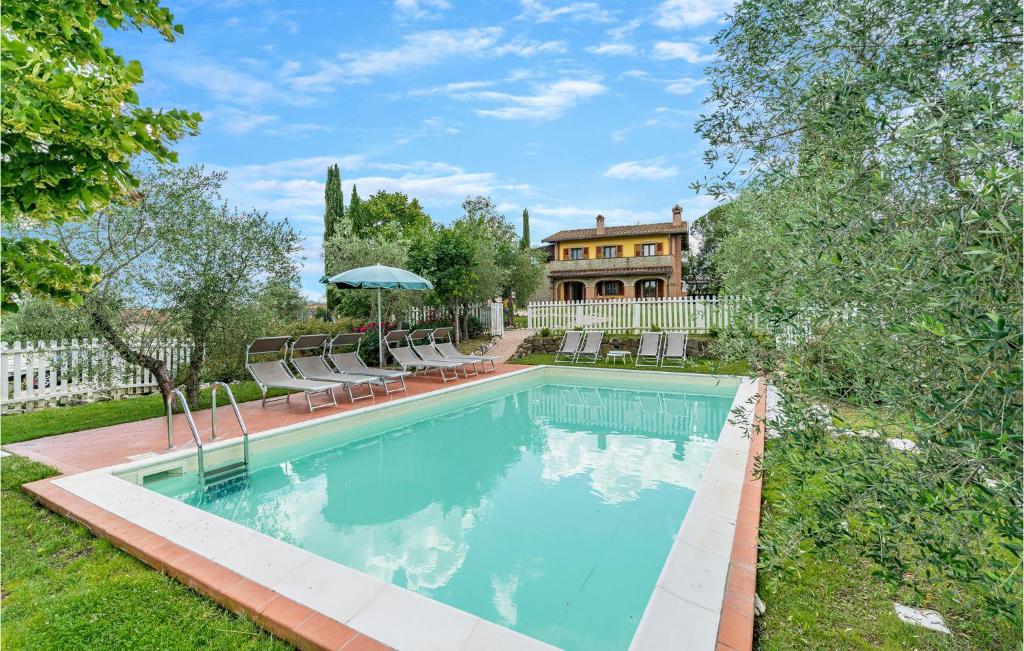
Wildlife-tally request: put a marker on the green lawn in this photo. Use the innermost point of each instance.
(696, 365)
(830, 598)
(74, 418)
(65, 589)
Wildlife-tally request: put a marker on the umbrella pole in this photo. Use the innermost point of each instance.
(380, 336)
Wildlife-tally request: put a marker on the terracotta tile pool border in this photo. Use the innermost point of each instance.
(285, 618)
(736, 627)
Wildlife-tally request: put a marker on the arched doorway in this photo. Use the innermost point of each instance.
(573, 291)
(610, 289)
(650, 288)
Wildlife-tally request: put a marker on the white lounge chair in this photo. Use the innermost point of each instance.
(570, 345)
(591, 348)
(274, 374)
(409, 361)
(649, 351)
(428, 353)
(675, 349)
(391, 380)
(313, 366)
(441, 339)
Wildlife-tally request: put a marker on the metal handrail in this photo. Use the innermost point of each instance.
(238, 417)
(191, 425)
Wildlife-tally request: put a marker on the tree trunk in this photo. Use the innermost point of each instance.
(455, 313)
(192, 378)
(155, 366)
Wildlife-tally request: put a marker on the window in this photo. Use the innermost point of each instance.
(649, 249)
(648, 289)
(576, 254)
(609, 288)
(609, 251)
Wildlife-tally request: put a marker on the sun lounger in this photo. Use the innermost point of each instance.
(649, 351)
(391, 380)
(675, 349)
(427, 352)
(591, 348)
(441, 340)
(274, 374)
(409, 361)
(570, 345)
(313, 366)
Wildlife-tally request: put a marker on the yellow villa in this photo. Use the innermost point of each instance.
(613, 262)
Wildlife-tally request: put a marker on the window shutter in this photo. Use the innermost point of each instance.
(659, 248)
(598, 252)
(586, 252)
(638, 249)
(618, 251)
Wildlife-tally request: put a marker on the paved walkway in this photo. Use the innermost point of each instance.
(509, 343)
(107, 446)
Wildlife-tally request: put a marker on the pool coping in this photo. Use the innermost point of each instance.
(284, 588)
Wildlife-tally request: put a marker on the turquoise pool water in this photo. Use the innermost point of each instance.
(547, 504)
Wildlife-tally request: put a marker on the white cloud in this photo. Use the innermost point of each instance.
(676, 14)
(549, 101)
(613, 49)
(663, 118)
(239, 122)
(624, 30)
(525, 48)
(432, 127)
(634, 74)
(424, 48)
(543, 12)
(417, 50)
(654, 170)
(230, 86)
(684, 85)
(421, 9)
(689, 52)
(616, 46)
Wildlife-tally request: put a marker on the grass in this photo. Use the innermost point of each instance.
(74, 418)
(65, 589)
(696, 365)
(831, 598)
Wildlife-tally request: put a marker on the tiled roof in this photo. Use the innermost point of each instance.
(613, 231)
(630, 271)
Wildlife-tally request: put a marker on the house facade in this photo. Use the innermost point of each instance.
(614, 262)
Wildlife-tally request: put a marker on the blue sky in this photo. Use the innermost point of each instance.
(569, 108)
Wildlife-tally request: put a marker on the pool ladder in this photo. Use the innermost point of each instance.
(223, 473)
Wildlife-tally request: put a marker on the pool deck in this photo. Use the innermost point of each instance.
(289, 619)
(116, 444)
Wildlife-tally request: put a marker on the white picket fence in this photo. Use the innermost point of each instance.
(690, 313)
(40, 373)
(490, 314)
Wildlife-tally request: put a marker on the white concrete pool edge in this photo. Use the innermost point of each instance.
(686, 606)
(682, 605)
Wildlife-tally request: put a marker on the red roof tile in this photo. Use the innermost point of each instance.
(613, 231)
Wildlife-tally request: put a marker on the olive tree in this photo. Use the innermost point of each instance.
(873, 154)
(176, 263)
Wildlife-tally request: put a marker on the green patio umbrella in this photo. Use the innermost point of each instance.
(378, 277)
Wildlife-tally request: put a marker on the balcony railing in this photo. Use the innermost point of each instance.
(613, 264)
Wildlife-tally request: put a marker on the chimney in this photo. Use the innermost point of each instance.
(600, 224)
(677, 215)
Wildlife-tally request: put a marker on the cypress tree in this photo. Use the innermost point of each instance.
(355, 205)
(526, 229)
(334, 213)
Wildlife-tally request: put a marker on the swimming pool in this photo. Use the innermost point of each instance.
(547, 502)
